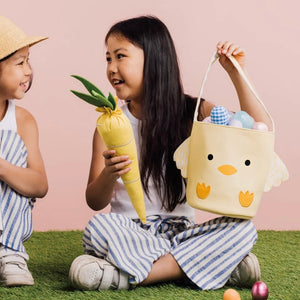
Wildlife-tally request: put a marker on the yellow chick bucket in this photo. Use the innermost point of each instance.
(228, 168)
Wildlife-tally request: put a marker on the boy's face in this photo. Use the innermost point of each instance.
(15, 73)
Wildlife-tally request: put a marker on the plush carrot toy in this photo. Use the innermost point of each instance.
(116, 132)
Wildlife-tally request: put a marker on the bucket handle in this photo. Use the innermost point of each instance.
(214, 58)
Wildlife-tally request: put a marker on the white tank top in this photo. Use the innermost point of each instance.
(9, 121)
(120, 202)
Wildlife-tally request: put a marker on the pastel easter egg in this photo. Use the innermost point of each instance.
(245, 118)
(231, 294)
(219, 115)
(260, 126)
(231, 114)
(235, 123)
(207, 120)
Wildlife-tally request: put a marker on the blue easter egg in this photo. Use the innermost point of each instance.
(219, 115)
(244, 118)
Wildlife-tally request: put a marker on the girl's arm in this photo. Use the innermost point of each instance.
(104, 171)
(247, 100)
(205, 109)
(31, 181)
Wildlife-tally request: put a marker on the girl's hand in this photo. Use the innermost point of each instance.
(116, 165)
(226, 49)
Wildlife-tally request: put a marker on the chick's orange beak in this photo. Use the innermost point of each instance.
(227, 169)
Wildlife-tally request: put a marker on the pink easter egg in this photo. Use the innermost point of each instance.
(207, 120)
(259, 291)
(260, 126)
(235, 123)
(231, 114)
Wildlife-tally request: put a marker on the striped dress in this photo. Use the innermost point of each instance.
(15, 209)
(207, 253)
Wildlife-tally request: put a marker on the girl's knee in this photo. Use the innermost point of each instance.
(247, 227)
(98, 218)
(95, 221)
(103, 220)
(242, 226)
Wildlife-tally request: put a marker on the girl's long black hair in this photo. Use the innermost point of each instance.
(167, 112)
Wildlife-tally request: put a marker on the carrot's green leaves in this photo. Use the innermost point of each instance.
(96, 96)
(89, 86)
(112, 100)
(88, 98)
(103, 99)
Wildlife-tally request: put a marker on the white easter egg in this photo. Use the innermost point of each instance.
(235, 123)
(260, 126)
(207, 120)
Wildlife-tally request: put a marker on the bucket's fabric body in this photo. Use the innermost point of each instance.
(228, 168)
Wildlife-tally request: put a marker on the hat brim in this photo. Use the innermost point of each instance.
(28, 41)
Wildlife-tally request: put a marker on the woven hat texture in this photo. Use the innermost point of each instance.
(12, 38)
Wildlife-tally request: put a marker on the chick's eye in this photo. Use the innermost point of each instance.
(210, 156)
(108, 59)
(247, 162)
(120, 55)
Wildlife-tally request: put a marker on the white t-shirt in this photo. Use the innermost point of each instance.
(9, 121)
(120, 202)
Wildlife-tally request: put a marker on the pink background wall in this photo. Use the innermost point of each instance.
(269, 30)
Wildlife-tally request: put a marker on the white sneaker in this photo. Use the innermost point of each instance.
(13, 269)
(88, 272)
(246, 273)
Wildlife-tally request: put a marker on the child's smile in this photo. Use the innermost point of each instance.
(125, 65)
(118, 82)
(15, 73)
(24, 86)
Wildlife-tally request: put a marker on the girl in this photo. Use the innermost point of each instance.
(22, 172)
(121, 252)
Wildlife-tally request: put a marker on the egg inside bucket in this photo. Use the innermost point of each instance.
(244, 118)
(219, 115)
(260, 126)
(235, 123)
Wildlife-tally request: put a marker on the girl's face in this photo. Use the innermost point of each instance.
(125, 65)
(15, 73)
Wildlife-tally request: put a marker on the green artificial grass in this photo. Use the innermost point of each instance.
(51, 254)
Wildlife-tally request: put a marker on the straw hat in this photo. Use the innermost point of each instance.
(13, 38)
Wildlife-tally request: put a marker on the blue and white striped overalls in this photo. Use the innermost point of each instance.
(207, 253)
(15, 212)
